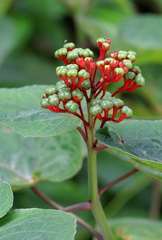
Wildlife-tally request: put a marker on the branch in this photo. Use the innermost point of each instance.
(109, 185)
(79, 206)
(55, 205)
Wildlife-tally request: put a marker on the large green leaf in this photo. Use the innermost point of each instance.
(37, 224)
(137, 141)
(20, 110)
(136, 229)
(142, 31)
(24, 161)
(6, 198)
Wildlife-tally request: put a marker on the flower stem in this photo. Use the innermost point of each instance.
(97, 209)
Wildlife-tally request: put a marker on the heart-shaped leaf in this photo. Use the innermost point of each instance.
(37, 224)
(6, 198)
(136, 229)
(20, 110)
(24, 161)
(136, 141)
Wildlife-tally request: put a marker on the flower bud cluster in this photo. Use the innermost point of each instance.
(60, 98)
(110, 109)
(78, 81)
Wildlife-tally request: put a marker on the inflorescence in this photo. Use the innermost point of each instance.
(78, 82)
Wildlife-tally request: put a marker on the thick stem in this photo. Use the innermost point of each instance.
(97, 209)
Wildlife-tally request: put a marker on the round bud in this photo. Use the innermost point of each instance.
(131, 55)
(94, 110)
(72, 72)
(53, 99)
(128, 111)
(44, 102)
(71, 106)
(95, 101)
(100, 63)
(83, 73)
(136, 69)
(108, 60)
(100, 40)
(90, 53)
(129, 75)
(128, 63)
(69, 46)
(72, 55)
(72, 66)
(77, 93)
(60, 52)
(60, 85)
(84, 53)
(119, 71)
(122, 54)
(105, 104)
(64, 94)
(86, 84)
(51, 90)
(117, 102)
(61, 71)
(139, 79)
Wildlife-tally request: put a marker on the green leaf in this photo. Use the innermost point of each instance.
(136, 229)
(25, 161)
(20, 110)
(142, 31)
(6, 198)
(136, 141)
(37, 224)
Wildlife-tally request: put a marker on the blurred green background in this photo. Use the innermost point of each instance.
(30, 32)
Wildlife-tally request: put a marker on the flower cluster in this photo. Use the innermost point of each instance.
(78, 81)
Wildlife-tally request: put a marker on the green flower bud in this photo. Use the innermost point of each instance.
(128, 63)
(105, 104)
(94, 110)
(72, 66)
(60, 52)
(86, 84)
(44, 102)
(122, 54)
(60, 85)
(71, 106)
(100, 63)
(117, 102)
(77, 93)
(83, 73)
(129, 75)
(108, 60)
(64, 94)
(119, 71)
(69, 45)
(90, 53)
(72, 72)
(61, 71)
(139, 79)
(128, 111)
(136, 69)
(51, 90)
(95, 101)
(131, 55)
(72, 55)
(53, 99)
(84, 53)
(102, 40)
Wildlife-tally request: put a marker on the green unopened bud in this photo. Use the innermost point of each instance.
(51, 90)
(128, 63)
(100, 63)
(129, 75)
(128, 111)
(108, 60)
(117, 102)
(86, 84)
(72, 73)
(119, 71)
(71, 106)
(69, 45)
(83, 73)
(72, 66)
(60, 85)
(94, 110)
(131, 55)
(139, 79)
(44, 102)
(60, 52)
(64, 94)
(102, 40)
(53, 99)
(61, 71)
(106, 45)
(105, 104)
(136, 69)
(122, 54)
(77, 93)
(84, 53)
(72, 55)
(95, 101)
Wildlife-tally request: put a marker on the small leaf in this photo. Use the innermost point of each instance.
(21, 110)
(142, 31)
(6, 198)
(37, 224)
(25, 161)
(136, 229)
(136, 141)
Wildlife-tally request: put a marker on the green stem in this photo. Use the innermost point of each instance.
(97, 209)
